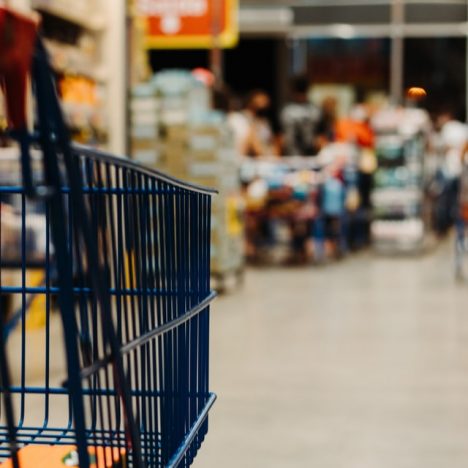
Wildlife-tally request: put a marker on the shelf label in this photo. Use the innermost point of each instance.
(189, 24)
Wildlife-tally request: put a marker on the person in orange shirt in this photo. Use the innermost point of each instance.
(355, 128)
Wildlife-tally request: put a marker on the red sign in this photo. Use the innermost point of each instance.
(189, 23)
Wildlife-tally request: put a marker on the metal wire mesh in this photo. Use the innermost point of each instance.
(153, 238)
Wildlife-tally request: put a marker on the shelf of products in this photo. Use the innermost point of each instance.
(398, 196)
(174, 129)
(305, 208)
(84, 13)
(75, 38)
(76, 60)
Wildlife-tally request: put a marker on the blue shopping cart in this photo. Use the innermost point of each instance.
(118, 375)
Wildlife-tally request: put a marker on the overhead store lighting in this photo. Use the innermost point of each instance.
(343, 31)
(265, 19)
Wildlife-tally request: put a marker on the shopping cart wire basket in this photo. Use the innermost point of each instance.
(126, 255)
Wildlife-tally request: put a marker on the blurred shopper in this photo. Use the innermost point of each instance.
(463, 188)
(252, 126)
(326, 127)
(355, 128)
(299, 120)
(333, 209)
(453, 137)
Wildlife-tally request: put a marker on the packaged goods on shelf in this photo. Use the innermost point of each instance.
(297, 206)
(80, 59)
(408, 231)
(83, 104)
(144, 122)
(85, 13)
(398, 196)
(227, 235)
(205, 155)
(174, 129)
(76, 45)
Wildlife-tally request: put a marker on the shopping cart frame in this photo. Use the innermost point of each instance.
(131, 249)
(40, 437)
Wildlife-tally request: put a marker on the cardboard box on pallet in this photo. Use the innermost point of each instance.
(203, 155)
(145, 105)
(176, 160)
(173, 116)
(222, 261)
(231, 240)
(204, 169)
(207, 144)
(207, 167)
(175, 171)
(175, 134)
(230, 243)
(228, 219)
(175, 149)
(227, 256)
(144, 125)
(144, 132)
(227, 205)
(150, 158)
(146, 151)
(144, 117)
(203, 142)
(144, 100)
(215, 182)
(213, 125)
(144, 143)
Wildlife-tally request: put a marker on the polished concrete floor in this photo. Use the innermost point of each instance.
(359, 364)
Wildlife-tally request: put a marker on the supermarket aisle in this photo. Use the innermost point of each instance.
(362, 364)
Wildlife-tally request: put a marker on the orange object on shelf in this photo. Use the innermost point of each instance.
(61, 456)
(416, 93)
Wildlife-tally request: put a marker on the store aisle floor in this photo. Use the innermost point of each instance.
(360, 364)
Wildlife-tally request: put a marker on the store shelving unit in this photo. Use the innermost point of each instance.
(79, 14)
(398, 196)
(174, 129)
(76, 40)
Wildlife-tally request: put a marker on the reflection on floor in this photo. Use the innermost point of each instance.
(360, 364)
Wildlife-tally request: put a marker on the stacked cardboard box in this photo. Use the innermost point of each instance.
(144, 122)
(204, 154)
(227, 234)
(174, 130)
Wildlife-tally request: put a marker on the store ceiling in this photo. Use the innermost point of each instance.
(276, 3)
(366, 17)
(305, 2)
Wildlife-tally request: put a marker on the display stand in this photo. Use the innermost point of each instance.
(398, 196)
(76, 39)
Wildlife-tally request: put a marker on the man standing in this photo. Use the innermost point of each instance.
(299, 120)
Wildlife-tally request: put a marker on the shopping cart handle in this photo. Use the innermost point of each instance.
(17, 41)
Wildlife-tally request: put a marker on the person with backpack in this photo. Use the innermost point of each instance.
(299, 120)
